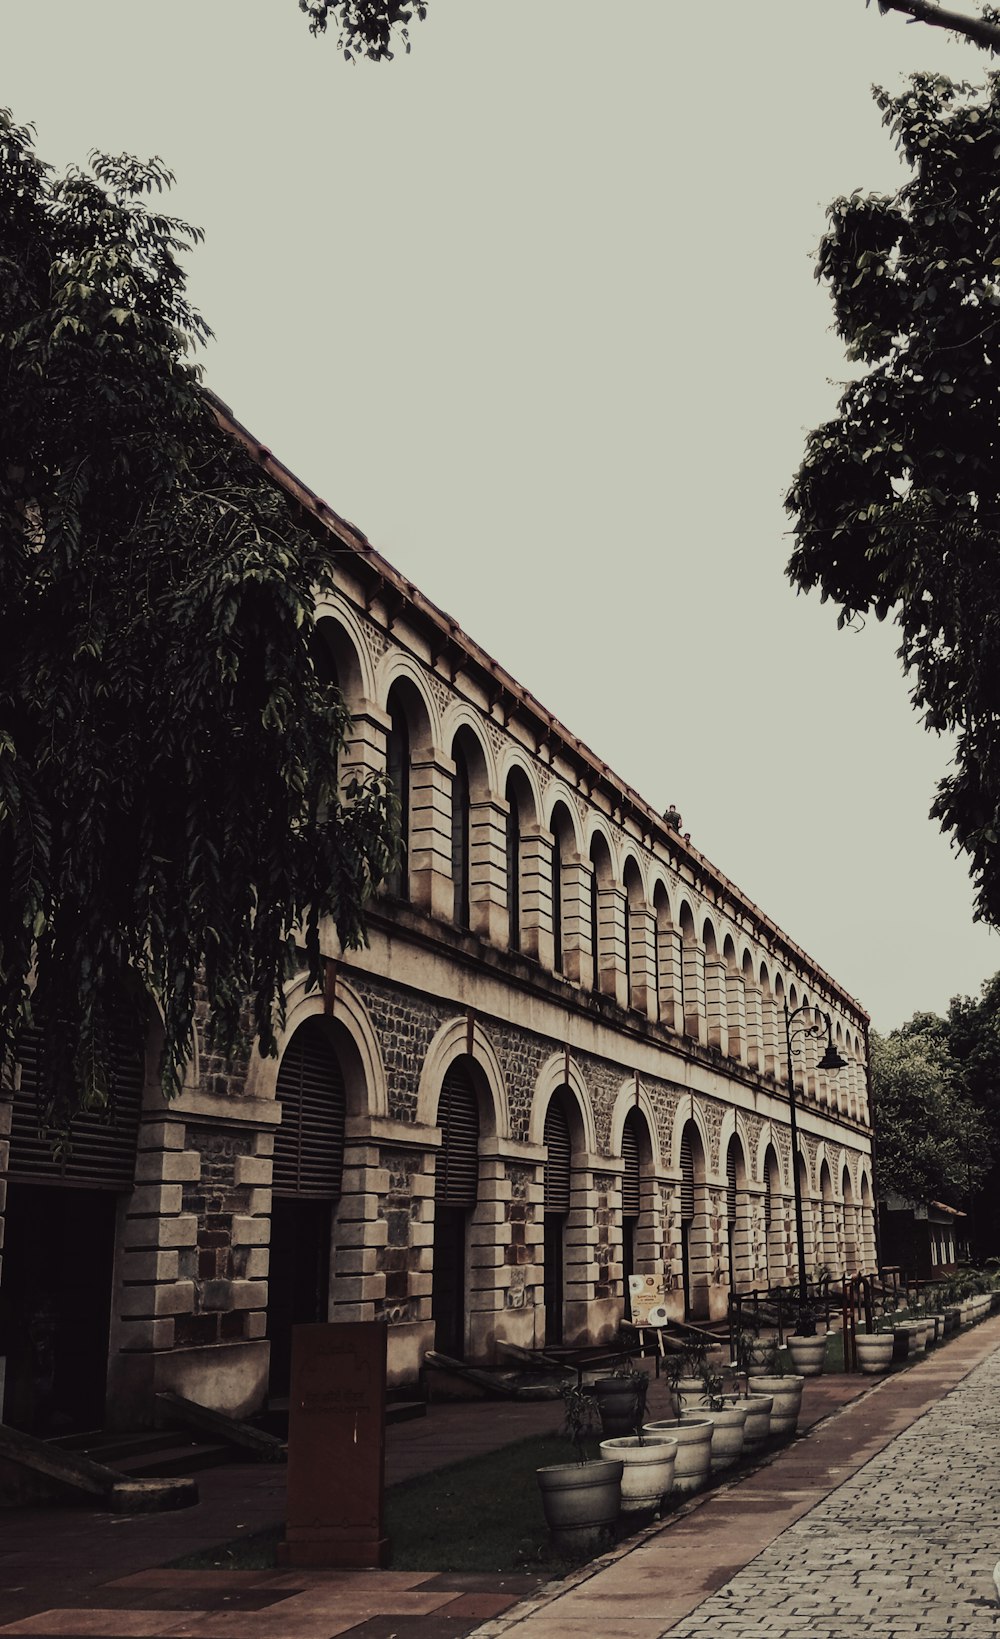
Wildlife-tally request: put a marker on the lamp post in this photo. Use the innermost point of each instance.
(831, 1060)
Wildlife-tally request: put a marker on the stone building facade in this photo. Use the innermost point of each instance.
(559, 1061)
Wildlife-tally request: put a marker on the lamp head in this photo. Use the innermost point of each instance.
(831, 1059)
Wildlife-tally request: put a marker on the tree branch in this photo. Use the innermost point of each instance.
(976, 29)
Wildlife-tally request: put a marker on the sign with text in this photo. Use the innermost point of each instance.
(336, 1446)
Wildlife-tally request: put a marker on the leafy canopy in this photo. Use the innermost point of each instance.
(933, 1141)
(897, 501)
(365, 28)
(169, 804)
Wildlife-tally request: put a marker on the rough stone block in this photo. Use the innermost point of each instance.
(253, 1169)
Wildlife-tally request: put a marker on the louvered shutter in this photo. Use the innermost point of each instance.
(767, 1191)
(456, 1180)
(687, 1178)
(309, 1141)
(630, 1177)
(731, 1186)
(101, 1149)
(557, 1161)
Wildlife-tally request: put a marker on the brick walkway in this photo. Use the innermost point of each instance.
(885, 1522)
(814, 1542)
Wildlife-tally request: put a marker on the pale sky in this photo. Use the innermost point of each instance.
(534, 307)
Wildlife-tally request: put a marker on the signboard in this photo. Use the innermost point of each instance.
(336, 1446)
(645, 1293)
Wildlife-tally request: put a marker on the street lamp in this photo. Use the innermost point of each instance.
(832, 1061)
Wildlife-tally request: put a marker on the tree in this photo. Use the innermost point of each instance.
(982, 31)
(365, 28)
(169, 802)
(897, 501)
(932, 1141)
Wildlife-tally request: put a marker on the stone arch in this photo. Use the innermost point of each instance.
(829, 1250)
(738, 1207)
(561, 1070)
(625, 1102)
(411, 736)
(716, 1005)
(471, 787)
(340, 634)
(513, 760)
(454, 1041)
(852, 1238)
(688, 1109)
(461, 720)
(558, 794)
(775, 1248)
(398, 670)
(695, 1218)
(364, 1072)
(669, 1008)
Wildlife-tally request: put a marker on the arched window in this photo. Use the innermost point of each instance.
(461, 827)
(398, 771)
(514, 874)
(631, 1193)
(557, 911)
(555, 1207)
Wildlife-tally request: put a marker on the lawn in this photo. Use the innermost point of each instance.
(483, 1514)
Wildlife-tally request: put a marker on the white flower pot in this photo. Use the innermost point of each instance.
(808, 1353)
(757, 1427)
(648, 1474)
(581, 1502)
(727, 1434)
(693, 1462)
(875, 1351)
(787, 1395)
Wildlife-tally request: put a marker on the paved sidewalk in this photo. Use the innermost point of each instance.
(885, 1522)
(75, 1572)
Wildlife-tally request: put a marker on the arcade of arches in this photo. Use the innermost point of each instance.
(559, 1061)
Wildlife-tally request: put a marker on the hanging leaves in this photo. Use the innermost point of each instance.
(169, 805)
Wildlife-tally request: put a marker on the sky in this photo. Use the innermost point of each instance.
(534, 307)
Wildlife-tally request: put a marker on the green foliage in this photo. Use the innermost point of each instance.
(897, 501)
(168, 750)
(365, 27)
(933, 1141)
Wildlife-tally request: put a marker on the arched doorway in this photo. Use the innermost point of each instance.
(693, 1224)
(828, 1221)
(631, 1192)
(774, 1229)
(851, 1262)
(456, 1187)
(736, 1173)
(556, 1185)
(58, 1260)
(308, 1164)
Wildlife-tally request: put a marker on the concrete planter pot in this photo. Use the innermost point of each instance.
(621, 1402)
(786, 1393)
(808, 1353)
(729, 1430)
(757, 1428)
(938, 1328)
(693, 1434)
(909, 1338)
(581, 1502)
(686, 1394)
(648, 1473)
(952, 1319)
(875, 1351)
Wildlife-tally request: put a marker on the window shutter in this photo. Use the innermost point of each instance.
(557, 1161)
(630, 1177)
(309, 1141)
(731, 1188)
(102, 1144)
(687, 1178)
(456, 1179)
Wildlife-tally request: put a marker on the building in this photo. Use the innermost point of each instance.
(560, 1061)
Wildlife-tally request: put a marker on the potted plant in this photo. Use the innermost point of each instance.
(874, 1351)
(693, 1434)
(582, 1499)
(806, 1346)
(729, 1416)
(648, 1468)
(621, 1399)
(785, 1389)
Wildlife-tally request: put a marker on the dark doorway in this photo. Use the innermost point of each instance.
(298, 1277)
(456, 1186)
(448, 1294)
(55, 1307)
(555, 1223)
